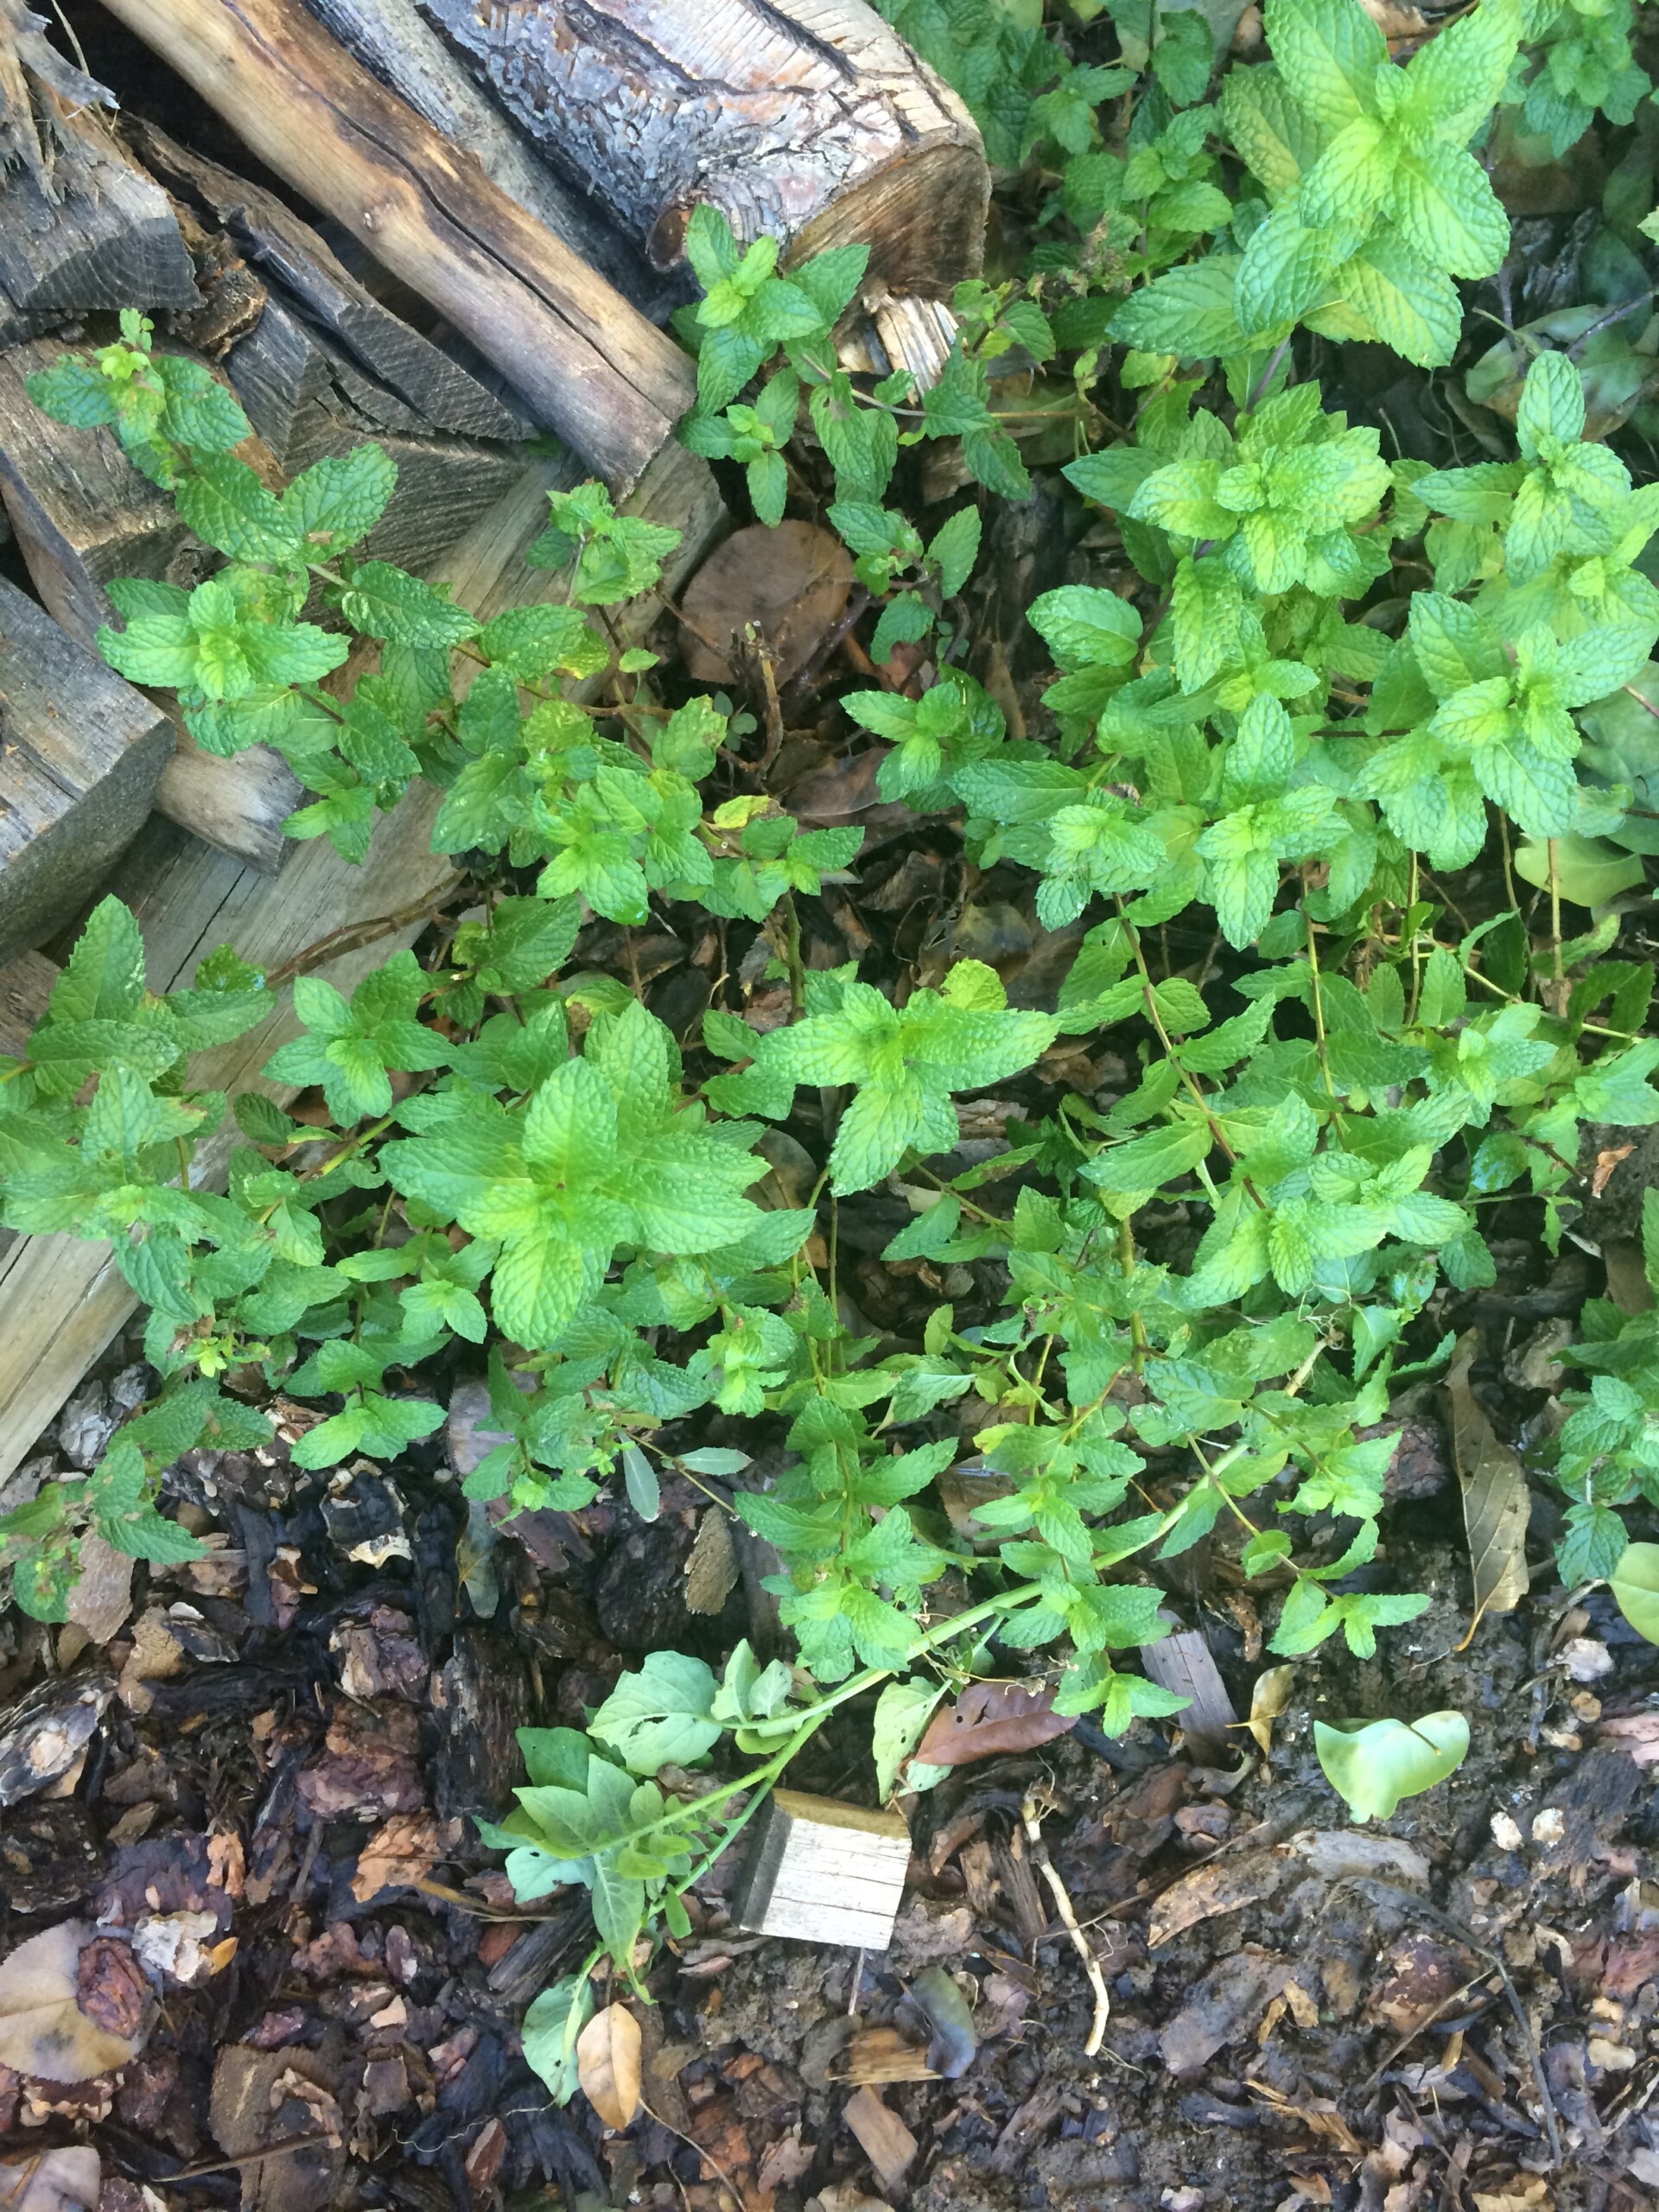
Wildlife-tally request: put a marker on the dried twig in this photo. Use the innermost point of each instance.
(1032, 1818)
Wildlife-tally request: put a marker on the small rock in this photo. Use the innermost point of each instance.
(1506, 1832)
(85, 1426)
(1586, 1659)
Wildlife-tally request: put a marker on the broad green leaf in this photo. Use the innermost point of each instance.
(1372, 1766)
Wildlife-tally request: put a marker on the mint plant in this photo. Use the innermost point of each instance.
(1326, 739)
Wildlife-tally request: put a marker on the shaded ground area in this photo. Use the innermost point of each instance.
(261, 1765)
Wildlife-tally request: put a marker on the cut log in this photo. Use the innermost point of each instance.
(280, 246)
(96, 232)
(61, 1299)
(395, 42)
(25, 987)
(80, 754)
(589, 366)
(808, 118)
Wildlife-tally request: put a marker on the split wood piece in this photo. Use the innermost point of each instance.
(31, 71)
(824, 1872)
(80, 755)
(1184, 1664)
(808, 118)
(82, 515)
(882, 2136)
(590, 366)
(91, 230)
(283, 247)
(61, 1298)
(395, 42)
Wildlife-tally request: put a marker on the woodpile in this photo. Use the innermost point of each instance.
(473, 240)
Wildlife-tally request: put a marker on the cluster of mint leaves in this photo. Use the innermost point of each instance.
(1334, 677)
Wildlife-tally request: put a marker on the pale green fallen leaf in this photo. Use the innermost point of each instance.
(1635, 1585)
(1373, 1765)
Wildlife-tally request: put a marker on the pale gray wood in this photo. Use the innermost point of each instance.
(588, 365)
(823, 1872)
(80, 226)
(82, 754)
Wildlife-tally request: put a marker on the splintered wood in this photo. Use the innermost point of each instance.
(824, 1872)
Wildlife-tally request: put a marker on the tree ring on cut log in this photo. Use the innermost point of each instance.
(809, 119)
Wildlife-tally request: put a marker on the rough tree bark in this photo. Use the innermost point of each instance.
(808, 119)
(590, 366)
(394, 41)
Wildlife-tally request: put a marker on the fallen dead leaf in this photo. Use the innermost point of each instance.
(1496, 1503)
(711, 1569)
(1219, 1885)
(791, 582)
(989, 1717)
(404, 1850)
(43, 2031)
(607, 2064)
(1341, 1854)
(1606, 1163)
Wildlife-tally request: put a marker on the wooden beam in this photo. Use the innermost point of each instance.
(589, 366)
(80, 754)
(61, 1298)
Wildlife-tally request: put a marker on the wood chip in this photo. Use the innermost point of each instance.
(884, 2139)
(1184, 1664)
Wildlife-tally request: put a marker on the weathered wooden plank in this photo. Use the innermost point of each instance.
(61, 1299)
(589, 366)
(80, 754)
(808, 119)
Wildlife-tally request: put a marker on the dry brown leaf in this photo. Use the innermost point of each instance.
(403, 1851)
(1268, 1701)
(711, 1568)
(989, 1717)
(1220, 1885)
(1496, 1503)
(43, 2031)
(1606, 1163)
(69, 2179)
(607, 2064)
(791, 583)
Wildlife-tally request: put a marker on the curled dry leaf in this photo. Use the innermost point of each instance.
(1268, 1701)
(1496, 1503)
(607, 2064)
(989, 1717)
(43, 2031)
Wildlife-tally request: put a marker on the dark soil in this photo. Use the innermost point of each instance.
(264, 1778)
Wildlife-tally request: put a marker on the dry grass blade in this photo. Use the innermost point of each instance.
(1496, 1506)
(607, 2064)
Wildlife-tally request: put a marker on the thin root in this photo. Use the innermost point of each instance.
(1032, 1818)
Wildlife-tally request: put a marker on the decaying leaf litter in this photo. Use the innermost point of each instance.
(255, 1775)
